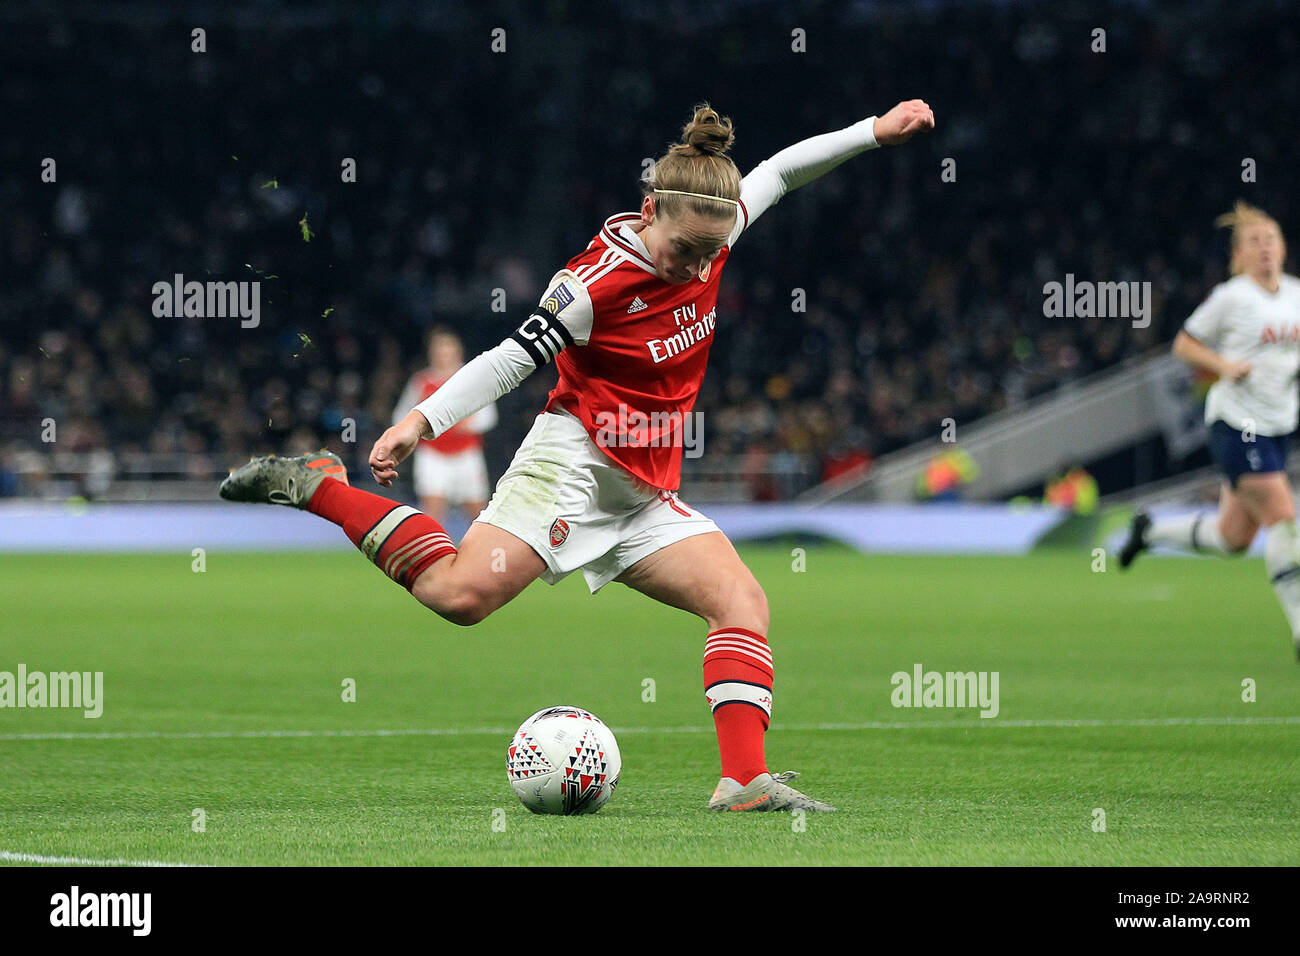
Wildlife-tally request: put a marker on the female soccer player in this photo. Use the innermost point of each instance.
(628, 323)
(1248, 334)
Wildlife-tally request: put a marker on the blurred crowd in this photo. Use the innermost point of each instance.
(854, 318)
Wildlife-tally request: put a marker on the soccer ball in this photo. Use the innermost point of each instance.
(563, 760)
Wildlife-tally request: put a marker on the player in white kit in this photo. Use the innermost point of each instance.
(1248, 334)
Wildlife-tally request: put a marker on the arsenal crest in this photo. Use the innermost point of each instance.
(559, 531)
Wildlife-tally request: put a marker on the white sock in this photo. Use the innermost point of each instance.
(1198, 532)
(1282, 559)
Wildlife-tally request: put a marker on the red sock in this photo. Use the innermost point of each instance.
(738, 686)
(400, 540)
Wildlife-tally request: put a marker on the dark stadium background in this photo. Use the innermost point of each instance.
(481, 170)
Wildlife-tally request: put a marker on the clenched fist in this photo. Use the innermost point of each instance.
(395, 446)
(903, 122)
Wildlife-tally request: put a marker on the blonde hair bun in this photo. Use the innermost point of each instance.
(707, 133)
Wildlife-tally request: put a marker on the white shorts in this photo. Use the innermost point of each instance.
(578, 509)
(458, 478)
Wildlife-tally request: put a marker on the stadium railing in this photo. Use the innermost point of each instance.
(176, 477)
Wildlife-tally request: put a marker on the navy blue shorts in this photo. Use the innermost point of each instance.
(1236, 456)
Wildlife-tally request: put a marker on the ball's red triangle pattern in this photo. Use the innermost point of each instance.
(525, 758)
(586, 773)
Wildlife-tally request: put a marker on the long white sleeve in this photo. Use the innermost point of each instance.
(480, 382)
(798, 165)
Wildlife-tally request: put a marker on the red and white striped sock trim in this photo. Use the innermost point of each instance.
(402, 558)
(734, 641)
(404, 542)
(738, 670)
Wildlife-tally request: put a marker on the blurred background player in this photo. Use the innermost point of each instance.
(449, 469)
(1248, 334)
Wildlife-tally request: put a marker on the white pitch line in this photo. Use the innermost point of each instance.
(976, 722)
(992, 722)
(7, 857)
(254, 734)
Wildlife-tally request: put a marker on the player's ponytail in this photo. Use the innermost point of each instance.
(697, 164)
(1243, 214)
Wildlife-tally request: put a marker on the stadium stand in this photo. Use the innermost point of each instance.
(924, 298)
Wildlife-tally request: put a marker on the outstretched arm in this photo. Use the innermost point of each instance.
(805, 161)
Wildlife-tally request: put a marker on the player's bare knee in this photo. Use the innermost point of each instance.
(459, 605)
(1236, 536)
(466, 607)
(1237, 546)
(462, 614)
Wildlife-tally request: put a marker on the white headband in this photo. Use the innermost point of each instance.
(678, 192)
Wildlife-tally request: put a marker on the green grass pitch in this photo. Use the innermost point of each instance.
(1099, 676)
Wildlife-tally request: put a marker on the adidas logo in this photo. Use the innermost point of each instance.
(636, 306)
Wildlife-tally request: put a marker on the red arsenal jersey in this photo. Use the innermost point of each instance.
(630, 348)
(642, 347)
